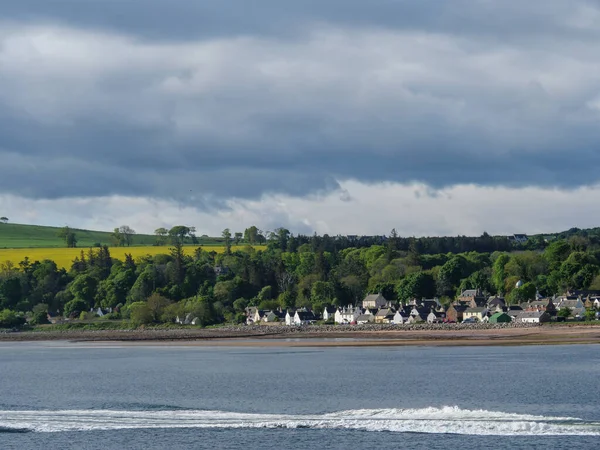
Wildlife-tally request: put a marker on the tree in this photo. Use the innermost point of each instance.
(75, 307)
(237, 237)
(226, 234)
(499, 273)
(522, 294)
(156, 304)
(564, 312)
(116, 238)
(590, 314)
(416, 285)
(161, 235)
(84, 288)
(140, 313)
(126, 233)
(3, 219)
(178, 234)
(10, 319)
(68, 236)
(251, 235)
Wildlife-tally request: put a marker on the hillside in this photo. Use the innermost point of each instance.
(14, 235)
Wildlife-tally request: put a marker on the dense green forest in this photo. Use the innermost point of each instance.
(292, 272)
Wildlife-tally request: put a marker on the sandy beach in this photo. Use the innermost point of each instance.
(315, 337)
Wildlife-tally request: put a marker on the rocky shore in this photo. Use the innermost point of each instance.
(368, 334)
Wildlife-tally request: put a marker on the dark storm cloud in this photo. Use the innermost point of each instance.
(203, 101)
(185, 19)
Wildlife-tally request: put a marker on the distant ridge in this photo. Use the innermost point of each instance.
(15, 235)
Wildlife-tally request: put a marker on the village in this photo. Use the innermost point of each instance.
(471, 306)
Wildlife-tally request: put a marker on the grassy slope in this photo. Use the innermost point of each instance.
(14, 235)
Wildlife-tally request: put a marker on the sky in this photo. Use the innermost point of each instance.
(330, 116)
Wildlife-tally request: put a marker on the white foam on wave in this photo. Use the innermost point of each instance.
(427, 420)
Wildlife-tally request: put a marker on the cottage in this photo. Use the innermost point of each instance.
(289, 317)
(416, 319)
(304, 318)
(455, 313)
(473, 298)
(476, 313)
(347, 314)
(514, 314)
(533, 317)
(496, 304)
(576, 305)
(435, 317)
(258, 316)
(418, 315)
(385, 315)
(365, 318)
(400, 317)
(430, 303)
(329, 313)
(374, 301)
(273, 316)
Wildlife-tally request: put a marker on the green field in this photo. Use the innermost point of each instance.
(14, 235)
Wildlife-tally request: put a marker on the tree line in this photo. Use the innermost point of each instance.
(290, 272)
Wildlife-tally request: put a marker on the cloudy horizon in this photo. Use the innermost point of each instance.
(338, 117)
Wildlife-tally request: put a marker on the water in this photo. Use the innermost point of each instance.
(85, 396)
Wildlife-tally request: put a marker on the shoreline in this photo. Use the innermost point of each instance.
(314, 337)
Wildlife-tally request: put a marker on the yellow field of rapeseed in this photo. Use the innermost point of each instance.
(63, 257)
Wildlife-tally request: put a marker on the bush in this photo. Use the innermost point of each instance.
(39, 318)
(75, 307)
(10, 319)
(140, 314)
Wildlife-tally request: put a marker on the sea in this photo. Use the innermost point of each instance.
(61, 395)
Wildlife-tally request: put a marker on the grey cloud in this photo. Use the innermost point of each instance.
(184, 19)
(378, 92)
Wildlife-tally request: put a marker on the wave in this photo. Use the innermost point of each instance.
(444, 420)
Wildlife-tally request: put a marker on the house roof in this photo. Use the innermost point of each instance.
(305, 315)
(364, 318)
(475, 310)
(470, 293)
(570, 304)
(373, 297)
(530, 314)
(496, 301)
(458, 308)
(383, 312)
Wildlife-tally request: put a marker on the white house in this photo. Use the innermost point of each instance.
(329, 313)
(374, 301)
(533, 317)
(399, 319)
(476, 313)
(365, 318)
(434, 317)
(347, 314)
(415, 319)
(289, 318)
(304, 318)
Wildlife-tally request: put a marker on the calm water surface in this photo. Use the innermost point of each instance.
(62, 395)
